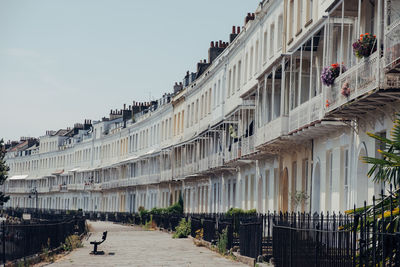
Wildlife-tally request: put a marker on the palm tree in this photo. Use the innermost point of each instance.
(387, 168)
(383, 216)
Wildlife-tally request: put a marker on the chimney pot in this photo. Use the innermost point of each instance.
(233, 29)
(212, 44)
(220, 43)
(238, 29)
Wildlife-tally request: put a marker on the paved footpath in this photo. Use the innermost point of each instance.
(132, 246)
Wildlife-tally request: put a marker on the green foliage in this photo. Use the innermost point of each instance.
(143, 212)
(387, 168)
(72, 242)
(183, 229)
(222, 242)
(237, 211)
(46, 252)
(3, 172)
(149, 224)
(158, 211)
(180, 201)
(176, 208)
(384, 169)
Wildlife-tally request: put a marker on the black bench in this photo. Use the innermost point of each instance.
(96, 243)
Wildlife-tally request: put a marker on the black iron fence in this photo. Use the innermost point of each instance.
(22, 239)
(313, 240)
(369, 236)
(291, 239)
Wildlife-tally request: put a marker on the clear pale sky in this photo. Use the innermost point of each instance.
(65, 61)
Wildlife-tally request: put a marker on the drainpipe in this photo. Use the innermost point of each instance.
(311, 172)
(380, 36)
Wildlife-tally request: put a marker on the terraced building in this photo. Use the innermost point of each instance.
(251, 127)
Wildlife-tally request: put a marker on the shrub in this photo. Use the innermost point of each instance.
(150, 224)
(183, 229)
(158, 211)
(236, 211)
(175, 209)
(222, 242)
(143, 212)
(199, 233)
(72, 242)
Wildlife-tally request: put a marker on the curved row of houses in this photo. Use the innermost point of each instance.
(253, 127)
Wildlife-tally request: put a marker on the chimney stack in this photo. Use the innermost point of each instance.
(215, 50)
(234, 33)
(177, 87)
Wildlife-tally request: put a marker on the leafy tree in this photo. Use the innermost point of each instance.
(3, 172)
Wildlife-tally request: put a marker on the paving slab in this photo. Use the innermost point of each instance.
(133, 246)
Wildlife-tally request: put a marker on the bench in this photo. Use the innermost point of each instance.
(96, 243)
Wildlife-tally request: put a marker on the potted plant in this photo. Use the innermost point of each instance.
(365, 45)
(345, 89)
(330, 73)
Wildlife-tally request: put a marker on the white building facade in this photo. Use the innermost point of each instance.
(253, 126)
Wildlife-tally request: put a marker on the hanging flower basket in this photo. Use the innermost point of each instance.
(330, 73)
(365, 45)
(345, 91)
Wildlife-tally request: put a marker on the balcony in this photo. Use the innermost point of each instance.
(248, 145)
(203, 164)
(189, 168)
(216, 160)
(392, 48)
(55, 188)
(178, 172)
(232, 152)
(42, 189)
(272, 130)
(166, 175)
(88, 187)
(370, 90)
(361, 79)
(63, 188)
(72, 187)
(75, 187)
(306, 113)
(17, 190)
(145, 179)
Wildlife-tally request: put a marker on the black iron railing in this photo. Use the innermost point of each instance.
(291, 239)
(22, 239)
